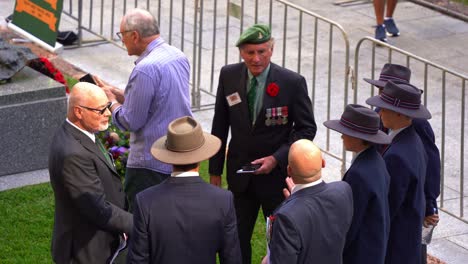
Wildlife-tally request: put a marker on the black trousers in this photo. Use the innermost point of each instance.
(137, 180)
(423, 254)
(247, 206)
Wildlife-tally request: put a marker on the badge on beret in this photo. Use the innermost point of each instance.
(256, 34)
(233, 99)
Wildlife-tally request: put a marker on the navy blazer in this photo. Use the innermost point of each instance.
(406, 162)
(89, 200)
(432, 183)
(366, 241)
(249, 142)
(311, 225)
(184, 220)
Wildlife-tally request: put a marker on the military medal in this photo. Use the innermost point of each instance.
(273, 116)
(280, 116)
(268, 117)
(285, 115)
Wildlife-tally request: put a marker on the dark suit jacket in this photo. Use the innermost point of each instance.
(406, 162)
(88, 200)
(184, 220)
(432, 183)
(311, 225)
(250, 142)
(366, 241)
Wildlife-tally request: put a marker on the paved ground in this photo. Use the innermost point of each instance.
(424, 32)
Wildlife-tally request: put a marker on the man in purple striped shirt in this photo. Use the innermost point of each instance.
(157, 93)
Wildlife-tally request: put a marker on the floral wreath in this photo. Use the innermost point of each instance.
(272, 89)
(44, 66)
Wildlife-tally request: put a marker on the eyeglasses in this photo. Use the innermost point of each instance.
(120, 34)
(99, 111)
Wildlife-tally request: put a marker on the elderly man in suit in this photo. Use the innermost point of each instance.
(267, 108)
(184, 219)
(311, 225)
(406, 162)
(89, 201)
(366, 240)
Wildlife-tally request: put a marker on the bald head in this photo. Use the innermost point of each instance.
(141, 21)
(82, 93)
(304, 162)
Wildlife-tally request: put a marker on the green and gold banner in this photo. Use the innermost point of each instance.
(39, 18)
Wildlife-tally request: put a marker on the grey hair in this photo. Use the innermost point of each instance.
(141, 21)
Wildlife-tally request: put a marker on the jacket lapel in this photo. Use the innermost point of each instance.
(89, 145)
(242, 89)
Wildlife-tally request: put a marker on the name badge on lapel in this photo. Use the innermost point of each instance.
(233, 99)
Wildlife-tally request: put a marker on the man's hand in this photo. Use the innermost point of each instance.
(113, 93)
(290, 184)
(265, 260)
(268, 164)
(431, 220)
(215, 180)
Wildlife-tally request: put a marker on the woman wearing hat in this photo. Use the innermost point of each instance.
(406, 162)
(366, 240)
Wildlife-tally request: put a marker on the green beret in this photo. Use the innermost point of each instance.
(256, 34)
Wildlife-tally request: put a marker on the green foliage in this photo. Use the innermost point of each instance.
(70, 81)
(27, 216)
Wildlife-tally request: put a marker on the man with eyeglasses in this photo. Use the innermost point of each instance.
(90, 219)
(157, 93)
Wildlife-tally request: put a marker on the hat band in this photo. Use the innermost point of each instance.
(397, 102)
(184, 150)
(359, 128)
(386, 77)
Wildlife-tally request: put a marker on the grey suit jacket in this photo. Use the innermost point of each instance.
(184, 220)
(311, 225)
(89, 200)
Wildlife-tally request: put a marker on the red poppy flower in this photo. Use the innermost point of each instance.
(272, 89)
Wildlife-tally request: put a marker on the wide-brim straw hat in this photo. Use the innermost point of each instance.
(360, 122)
(391, 72)
(401, 98)
(185, 143)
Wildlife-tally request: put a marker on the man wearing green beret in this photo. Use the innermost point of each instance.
(267, 108)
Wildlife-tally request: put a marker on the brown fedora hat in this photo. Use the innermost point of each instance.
(185, 143)
(401, 98)
(391, 72)
(360, 122)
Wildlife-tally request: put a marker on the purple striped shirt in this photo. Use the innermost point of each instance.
(157, 93)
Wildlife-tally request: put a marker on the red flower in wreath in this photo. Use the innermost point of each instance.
(272, 89)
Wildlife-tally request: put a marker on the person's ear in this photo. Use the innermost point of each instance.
(77, 111)
(288, 171)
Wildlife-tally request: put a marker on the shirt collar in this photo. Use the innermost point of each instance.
(153, 44)
(299, 187)
(261, 78)
(184, 174)
(90, 135)
(358, 153)
(393, 133)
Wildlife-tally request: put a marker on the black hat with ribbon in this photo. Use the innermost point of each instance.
(391, 72)
(401, 98)
(360, 122)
